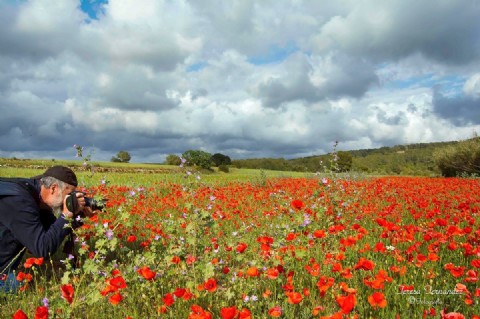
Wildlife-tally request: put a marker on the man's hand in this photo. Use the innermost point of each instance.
(80, 201)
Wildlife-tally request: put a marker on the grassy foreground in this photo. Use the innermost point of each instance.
(138, 174)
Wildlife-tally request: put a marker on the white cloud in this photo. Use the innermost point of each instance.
(472, 86)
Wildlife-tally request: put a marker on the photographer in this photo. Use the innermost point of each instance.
(28, 210)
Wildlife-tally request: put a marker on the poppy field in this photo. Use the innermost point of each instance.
(386, 247)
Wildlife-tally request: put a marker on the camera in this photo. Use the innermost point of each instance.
(94, 204)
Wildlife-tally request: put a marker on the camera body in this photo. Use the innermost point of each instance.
(94, 204)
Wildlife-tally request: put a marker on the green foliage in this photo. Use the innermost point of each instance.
(278, 164)
(173, 159)
(344, 161)
(122, 157)
(461, 159)
(223, 168)
(198, 158)
(220, 159)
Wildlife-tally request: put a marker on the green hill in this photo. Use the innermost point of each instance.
(412, 159)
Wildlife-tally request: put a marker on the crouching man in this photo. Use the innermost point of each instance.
(33, 217)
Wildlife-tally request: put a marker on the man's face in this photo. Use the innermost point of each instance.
(56, 196)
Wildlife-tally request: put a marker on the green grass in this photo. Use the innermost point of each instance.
(134, 174)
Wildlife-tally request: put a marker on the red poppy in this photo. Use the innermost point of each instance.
(337, 267)
(67, 293)
(118, 282)
(21, 276)
(346, 273)
(33, 261)
(253, 272)
(265, 240)
(346, 303)
(294, 297)
(179, 292)
(197, 312)
(210, 285)
(241, 247)
(228, 312)
(429, 312)
(41, 313)
(275, 312)
(451, 315)
(319, 233)
(146, 273)
(471, 276)
(108, 289)
(245, 314)
(324, 283)
(131, 238)
(175, 260)
(115, 298)
(314, 269)
(456, 271)
(19, 314)
(272, 273)
(190, 259)
(347, 289)
(380, 247)
(162, 309)
(297, 204)
(290, 236)
(168, 299)
(317, 310)
(306, 292)
(377, 299)
(364, 264)
(116, 272)
(188, 295)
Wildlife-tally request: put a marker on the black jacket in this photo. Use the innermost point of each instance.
(24, 224)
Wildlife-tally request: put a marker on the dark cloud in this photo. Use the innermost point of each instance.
(29, 33)
(398, 119)
(446, 31)
(459, 110)
(134, 91)
(299, 83)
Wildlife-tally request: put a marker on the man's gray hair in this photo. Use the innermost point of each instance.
(48, 181)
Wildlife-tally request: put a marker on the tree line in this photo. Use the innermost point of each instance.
(456, 158)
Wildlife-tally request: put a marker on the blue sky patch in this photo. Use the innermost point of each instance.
(196, 67)
(275, 54)
(450, 83)
(93, 8)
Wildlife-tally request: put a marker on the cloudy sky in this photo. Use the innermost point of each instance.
(245, 78)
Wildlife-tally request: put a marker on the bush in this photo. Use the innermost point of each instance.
(461, 159)
(198, 158)
(223, 168)
(220, 159)
(122, 157)
(173, 159)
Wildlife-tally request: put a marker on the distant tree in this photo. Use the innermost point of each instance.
(198, 158)
(173, 159)
(220, 159)
(223, 168)
(122, 157)
(344, 161)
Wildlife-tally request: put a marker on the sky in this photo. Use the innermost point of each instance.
(244, 78)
